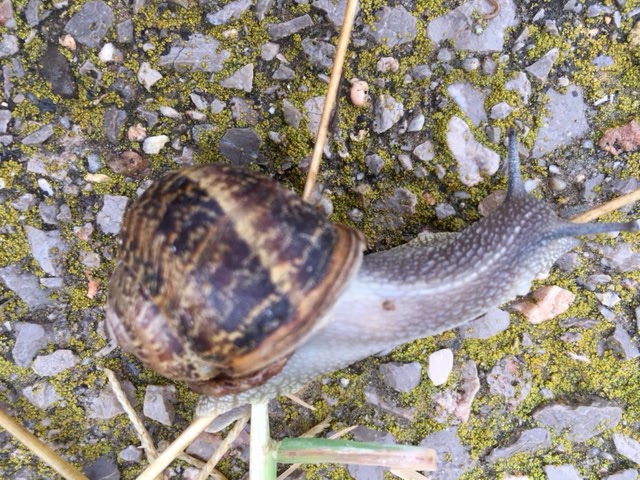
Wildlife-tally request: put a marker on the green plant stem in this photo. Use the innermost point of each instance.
(320, 450)
(262, 462)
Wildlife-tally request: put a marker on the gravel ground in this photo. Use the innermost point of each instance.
(100, 98)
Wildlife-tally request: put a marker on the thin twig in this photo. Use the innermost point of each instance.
(330, 100)
(607, 207)
(176, 448)
(299, 401)
(312, 432)
(38, 448)
(223, 447)
(143, 434)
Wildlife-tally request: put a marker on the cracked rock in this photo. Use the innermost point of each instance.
(41, 395)
(241, 79)
(469, 100)
(387, 111)
(627, 447)
(110, 216)
(56, 362)
(285, 29)
(529, 441)
(159, 403)
(47, 249)
(231, 11)
(402, 377)
(459, 26)
(30, 339)
(25, 285)
(540, 69)
(240, 146)
(582, 422)
(199, 53)
(473, 158)
(90, 24)
(394, 26)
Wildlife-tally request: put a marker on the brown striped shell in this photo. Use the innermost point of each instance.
(221, 274)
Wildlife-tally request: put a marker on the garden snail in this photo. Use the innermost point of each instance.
(233, 284)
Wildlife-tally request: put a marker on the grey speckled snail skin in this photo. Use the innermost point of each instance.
(432, 284)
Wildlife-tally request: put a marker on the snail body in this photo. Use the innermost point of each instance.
(370, 303)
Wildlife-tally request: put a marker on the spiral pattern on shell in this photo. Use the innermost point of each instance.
(221, 273)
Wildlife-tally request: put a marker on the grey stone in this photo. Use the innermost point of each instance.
(421, 71)
(602, 61)
(405, 161)
(124, 31)
(48, 213)
(283, 73)
(620, 257)
(566, 122)
(624, 343)
(425, 151)
(314, 107)
(47, 249)
(623, 475)
(24, 202)
(444, 210)
(104, 468)
(582, 422)
(241, 79)
(268, 51)
(104, 406)
(94, 162)
(54, 363)
(30, 339)
(131, 454)
(488, 325)
(416, 123)
(55, 69)
(374, 163)
(240, 145)
(261, 8)
(113, 123)
(6, 12)
(90, 24)
(230, 11)
(292, 115)
(5, 118)
(387, 113)
(520, 84)
(243, 111)
(473, 158)
(159, 403)
(110, 216)
(561, 472)
(41, 395)
(589, 193)
(8, 45)
(453, 456)
(25, 285)
(529, 441)
(627, 447)
(39, 136)
(510, 379)
(374, 397)
(319, 53)
(285, 29)
(458, 26)
(394, 26)
(541, 68)
(334, 10)
(469, 100)
(198, 53)
(31, 13)
(500, 111)
(402, 377)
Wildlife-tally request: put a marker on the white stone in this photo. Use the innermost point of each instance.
(440, 366)
(148, 76)
(153, 145)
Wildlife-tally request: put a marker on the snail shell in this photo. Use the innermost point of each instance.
(221, 274)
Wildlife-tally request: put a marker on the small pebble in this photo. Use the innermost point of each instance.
(359, 93)
(153, 145)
